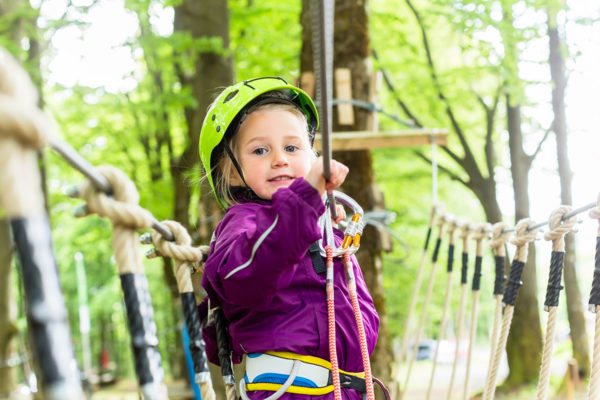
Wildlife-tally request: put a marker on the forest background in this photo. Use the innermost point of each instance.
(128, 83)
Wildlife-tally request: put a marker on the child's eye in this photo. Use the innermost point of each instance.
(259, 151)
(291, 148)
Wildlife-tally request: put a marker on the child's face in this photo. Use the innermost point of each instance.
(273, 149)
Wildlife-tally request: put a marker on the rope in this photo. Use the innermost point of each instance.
(478, 235)
(452, 225)
(465, 230)
(594, 389)
(557, 232)
(364, 350)
(335, 373)
(594, 302)
(497, 244)
(182, 251)
(523, 236)
(423, 318)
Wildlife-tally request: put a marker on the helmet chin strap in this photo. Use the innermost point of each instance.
(235, 163)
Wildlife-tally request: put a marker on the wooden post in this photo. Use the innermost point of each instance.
(343, 92)
(307, 83)
(373, 119)
(572, 378)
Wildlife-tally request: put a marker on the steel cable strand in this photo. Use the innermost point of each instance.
(423, 317)
(452, 226)
(460, 320)
(478, 235)
(521, 240)
(497, 244)
(364, 350)
(127, 216)
(594, 304)
(185, 256)
(557, 232)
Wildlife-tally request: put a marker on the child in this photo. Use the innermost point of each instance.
(263, 271)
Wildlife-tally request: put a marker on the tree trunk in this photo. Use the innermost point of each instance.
(351, 50)
(8, 329)
(575, 309)
(525, 340)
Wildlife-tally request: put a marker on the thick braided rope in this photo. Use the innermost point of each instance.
(478, 235)
(556, 233)
(594, 385)
(181, 251)
(124, 212)
(521, 239)
(594, 388)
(497, 243)
(20, 117)
(452, 226)
(335, 373)
(460, 320)
(362, 337)
(423, 317)
(416, 289)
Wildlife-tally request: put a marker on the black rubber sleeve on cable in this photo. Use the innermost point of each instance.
(192, 322)
(514, 283)
(595, 293)
(46, 311)
(436, 250)
(450, 258)
(477, 274)
(554, 278)
(427, 238)
(142, 328)
(224, 348)
(465, 268)
(500, 277)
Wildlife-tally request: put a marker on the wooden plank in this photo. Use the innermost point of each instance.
(343, 91)
(307, 83)
(364, 140)
(373, 118)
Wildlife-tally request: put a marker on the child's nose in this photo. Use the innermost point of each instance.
(279, 158)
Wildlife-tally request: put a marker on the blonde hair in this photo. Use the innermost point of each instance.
(225, 169)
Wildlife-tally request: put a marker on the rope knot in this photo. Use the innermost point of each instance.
(559, 228)
(522, 234)
(595, 212)
(480, 231)
(181, 250)
(122, 207)
(499, 237)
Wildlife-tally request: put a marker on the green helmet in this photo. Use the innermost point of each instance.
(224, 116)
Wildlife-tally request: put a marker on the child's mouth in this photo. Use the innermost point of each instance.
(281, 178)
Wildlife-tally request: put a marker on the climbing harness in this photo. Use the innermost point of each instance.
(557, 232)
(308, 375)
(464, 235)
(497, 242)
(479, 234)
(453, 224)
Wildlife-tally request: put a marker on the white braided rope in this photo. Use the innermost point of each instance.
(460, 321)
(443, 324)
(181, 251)
(489, 383)
(472, 336)
(544, 378)
(506, 322)
(423, 317)
(594, 388)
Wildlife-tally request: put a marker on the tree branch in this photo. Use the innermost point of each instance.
(451, 174)
(541, 143)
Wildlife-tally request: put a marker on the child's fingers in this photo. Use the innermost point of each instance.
(340, 213)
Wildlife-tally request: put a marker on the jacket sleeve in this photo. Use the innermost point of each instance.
(258, 245)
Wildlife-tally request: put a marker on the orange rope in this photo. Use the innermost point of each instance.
(362, 337)
(335, 373)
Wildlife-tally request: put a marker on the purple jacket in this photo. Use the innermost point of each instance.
(262, 276)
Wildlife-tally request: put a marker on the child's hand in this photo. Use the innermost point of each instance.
(316, 179)
(340, 214)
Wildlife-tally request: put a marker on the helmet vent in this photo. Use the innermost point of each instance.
(231, 95)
